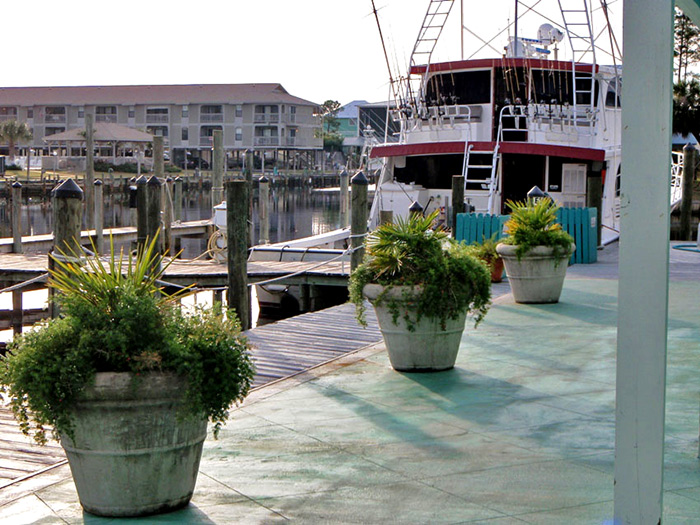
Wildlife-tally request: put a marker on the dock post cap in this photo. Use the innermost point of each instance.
(154, 181)
(68, 189)
(344, 173)
(415, 207)
(359, 179)
(536, 193)
(98, 182)
(264, 179)
(16, 184)
(178, 179)
(169, 179)
(142, 180)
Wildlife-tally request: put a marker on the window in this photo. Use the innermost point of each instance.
(55, 114)
(239, 134)
(132, 112)
(30, 113)
(53, 130)
(613, 96)
(185, 134)
(81, 112)
(8, 113)
(185, 112)
(239, 110)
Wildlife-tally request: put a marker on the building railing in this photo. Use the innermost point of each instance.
(291, 141)
(3, 118)
(211, 117)
(267, 141)
(206, 141)
(266, 117)
(54, 119)
(156, 119)
(112, 119)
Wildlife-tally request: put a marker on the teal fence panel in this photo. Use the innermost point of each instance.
(475, 227)
(580, 223)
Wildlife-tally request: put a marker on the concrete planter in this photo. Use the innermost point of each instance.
(131, 456)
(538, 277)
(428, 348)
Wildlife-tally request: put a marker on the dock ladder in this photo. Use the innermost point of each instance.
(577, 22)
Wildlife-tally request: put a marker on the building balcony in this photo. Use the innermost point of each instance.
(265, 117)
(111, 119)
(207, 142)
(266, 141)
(54, 119)
(3, 118)
(211, 117)
(156, 119)
(290, 141)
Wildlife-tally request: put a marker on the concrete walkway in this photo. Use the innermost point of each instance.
(521, 431)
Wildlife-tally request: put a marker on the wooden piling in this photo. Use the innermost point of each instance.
(689, 160)
(89, 171)
(153, 211)
(67, 206)
(16, 217)
(457, 200)
(237, 217)
(217, 174)
(177, 209)
(158, 159)
(358, 227)
(99, 217)
(141, 211)
(344, 204)
(168, 216)
(250, 165)
(263, 210)
(17, 312)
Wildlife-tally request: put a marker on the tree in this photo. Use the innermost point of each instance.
(686, 107)
(14, 132)
(332, 140)
(686, 49)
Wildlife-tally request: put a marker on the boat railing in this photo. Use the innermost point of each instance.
(559, 118)
(437, 115)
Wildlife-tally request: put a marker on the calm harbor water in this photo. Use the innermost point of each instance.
(294, 213)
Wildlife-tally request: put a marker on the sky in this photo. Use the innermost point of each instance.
(317, 49)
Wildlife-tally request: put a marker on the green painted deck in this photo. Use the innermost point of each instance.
(521, 431)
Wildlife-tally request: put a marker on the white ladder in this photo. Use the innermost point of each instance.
(482, 173)
(577, 21)
(430, 31)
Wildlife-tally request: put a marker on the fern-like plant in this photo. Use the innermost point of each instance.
(534, 223)
(409, 252)
(115, 317)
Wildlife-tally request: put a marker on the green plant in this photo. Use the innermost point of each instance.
(534, 223)
(116, 317)
(486, 249)
(410, 253)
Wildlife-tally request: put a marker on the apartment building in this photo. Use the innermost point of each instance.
(262, 117)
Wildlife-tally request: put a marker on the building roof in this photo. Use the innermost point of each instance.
(103, 132)
(173, 94)
(349, 110)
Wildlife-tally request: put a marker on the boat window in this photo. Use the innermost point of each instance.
(551, 87)
(467, 87)
(431, 172)
(614, 94)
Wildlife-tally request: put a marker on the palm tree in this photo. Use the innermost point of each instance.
(14, 132)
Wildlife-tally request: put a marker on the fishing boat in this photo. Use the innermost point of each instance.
(527, 118)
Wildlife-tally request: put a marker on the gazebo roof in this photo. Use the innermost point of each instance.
(103, 132)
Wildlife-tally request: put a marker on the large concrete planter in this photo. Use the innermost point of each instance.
(131, 456)
(538, 277)
(428, 348)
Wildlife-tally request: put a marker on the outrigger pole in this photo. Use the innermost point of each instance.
(386, 56)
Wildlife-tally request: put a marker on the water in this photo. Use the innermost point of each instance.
(294, 213)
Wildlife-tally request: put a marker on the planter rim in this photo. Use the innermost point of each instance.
(372, 291)
(129, 386)
(508, 250)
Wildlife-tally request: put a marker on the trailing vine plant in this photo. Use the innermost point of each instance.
(443, 280)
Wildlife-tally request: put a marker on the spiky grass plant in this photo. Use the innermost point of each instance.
(411, 253)
(115, 317)
(534, 223)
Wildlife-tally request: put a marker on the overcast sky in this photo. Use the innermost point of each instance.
(317, 49)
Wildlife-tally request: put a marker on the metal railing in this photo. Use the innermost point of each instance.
(54, 119)
(110, 118)
(156, 119)
(211, 117)
(267, 141)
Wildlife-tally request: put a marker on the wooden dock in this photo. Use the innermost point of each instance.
(280, 350)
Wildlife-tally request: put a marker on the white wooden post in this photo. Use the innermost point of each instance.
(644, 248)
